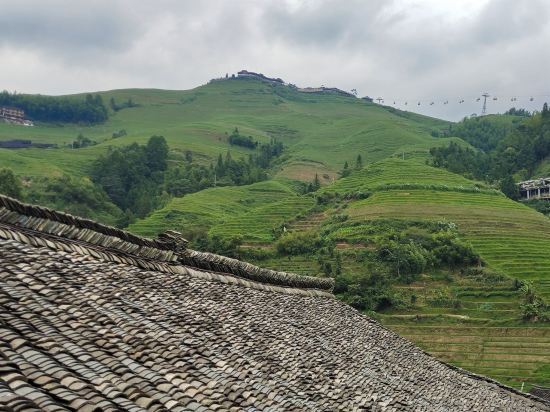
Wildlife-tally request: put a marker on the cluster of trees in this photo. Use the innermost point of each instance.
(58, 109)
(410, 253)
(400, 250)
(133, 176)
(503, 151)
(82, 141)
(534, 308)
(120, 133)
(346, 170)
(484, 133)
(237, 139)
(115, 107)
(137, 178)
(298, 243)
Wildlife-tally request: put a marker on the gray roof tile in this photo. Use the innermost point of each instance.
(92, 318)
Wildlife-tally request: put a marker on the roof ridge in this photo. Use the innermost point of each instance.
(168, 247)
(76, 221)
(219, 263)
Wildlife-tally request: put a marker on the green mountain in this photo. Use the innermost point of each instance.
(321, 131)
(448, 261)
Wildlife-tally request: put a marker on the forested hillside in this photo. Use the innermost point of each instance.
(407, 213)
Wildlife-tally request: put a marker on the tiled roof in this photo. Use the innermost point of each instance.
(93, 319)
(541, 392)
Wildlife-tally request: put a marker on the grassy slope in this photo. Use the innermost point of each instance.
(321, 131)
(248, 211)
(511, 237)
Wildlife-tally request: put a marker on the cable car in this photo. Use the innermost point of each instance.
(419, 103)
(494, 98)
(432, 103)
(478, 99)
(531, 99)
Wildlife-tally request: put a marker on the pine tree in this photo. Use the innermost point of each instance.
(338, 268)
(345, 171)
(359, 162)
(316, 183)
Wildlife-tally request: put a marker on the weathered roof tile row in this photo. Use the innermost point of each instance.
(78, 333)
(168, 247)
(94, 328)
(117, 256)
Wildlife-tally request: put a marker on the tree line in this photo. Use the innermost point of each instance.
(91, 109)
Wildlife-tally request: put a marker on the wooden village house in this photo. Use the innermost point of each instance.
(535, 189)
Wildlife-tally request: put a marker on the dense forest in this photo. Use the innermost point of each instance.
(58, 109)
(502, 153)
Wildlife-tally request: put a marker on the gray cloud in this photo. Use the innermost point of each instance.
(64, 27)
(399, 49)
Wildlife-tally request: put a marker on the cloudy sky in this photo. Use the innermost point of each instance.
(401, 50)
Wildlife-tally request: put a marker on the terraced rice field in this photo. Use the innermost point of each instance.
(395, 171)
(509, 236)
(485, 334)
(257, 225)
(210, 207)
(511, 354)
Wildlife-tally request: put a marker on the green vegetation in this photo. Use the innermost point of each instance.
(10, 184)
(245, 141)
(318, 131)
(58, 109)
(438, 254)
(226, 211)
(132, 176)
(506, 150)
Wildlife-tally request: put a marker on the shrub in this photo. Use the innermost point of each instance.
(244, 141)
(406, 260)
(445, 299)
(297, 243)
(10, 185)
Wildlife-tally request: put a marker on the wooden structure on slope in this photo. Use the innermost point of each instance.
(535, 189)
(94, 318)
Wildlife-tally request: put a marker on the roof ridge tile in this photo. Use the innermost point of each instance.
(169, 246)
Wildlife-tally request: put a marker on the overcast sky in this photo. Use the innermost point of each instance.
(402, 50)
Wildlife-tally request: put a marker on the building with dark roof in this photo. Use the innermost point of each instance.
(93, 318)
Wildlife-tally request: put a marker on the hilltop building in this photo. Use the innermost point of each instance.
(259, 76)
(323, 89)
(14, 115)
(245, 74)
(94, 318)
(535, 189)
